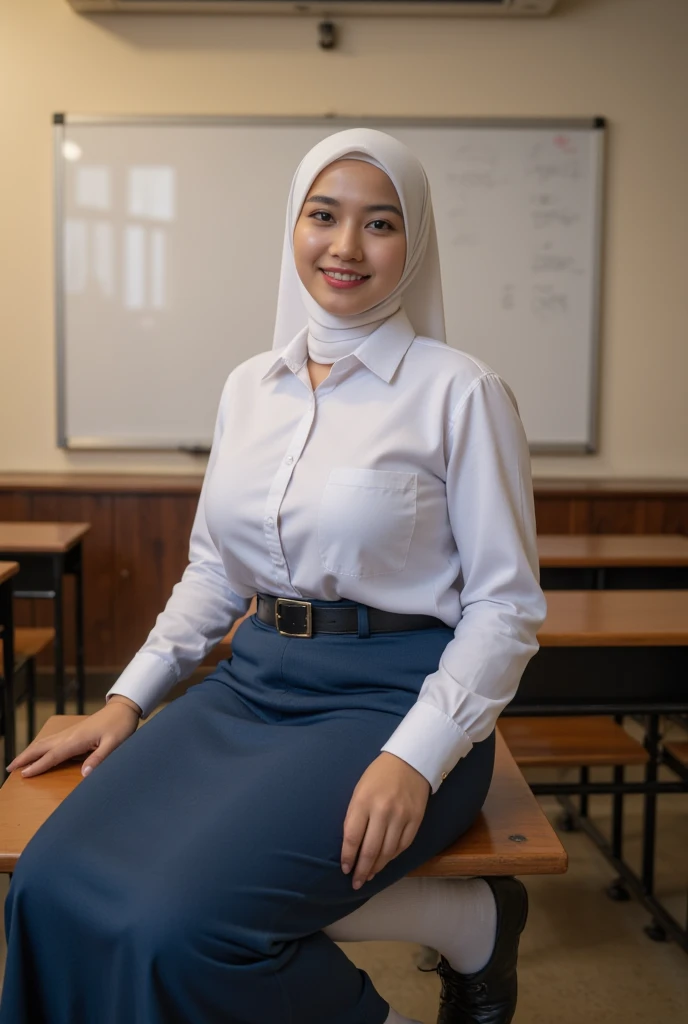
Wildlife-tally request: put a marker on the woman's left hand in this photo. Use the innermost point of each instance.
(384, 814)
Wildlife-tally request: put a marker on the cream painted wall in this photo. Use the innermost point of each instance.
(624, 59)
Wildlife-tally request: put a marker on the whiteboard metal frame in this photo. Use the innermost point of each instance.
(60, 120)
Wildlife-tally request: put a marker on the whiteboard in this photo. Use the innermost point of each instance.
(168, 243)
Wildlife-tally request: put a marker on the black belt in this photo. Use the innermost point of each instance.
(304, 619)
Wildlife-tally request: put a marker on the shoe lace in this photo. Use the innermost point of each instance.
(454, 984)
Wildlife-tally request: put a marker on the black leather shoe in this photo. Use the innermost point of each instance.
(488, 996)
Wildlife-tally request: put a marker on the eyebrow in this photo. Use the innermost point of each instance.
(374, 208)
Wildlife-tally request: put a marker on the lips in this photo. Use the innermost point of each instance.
(338, 283)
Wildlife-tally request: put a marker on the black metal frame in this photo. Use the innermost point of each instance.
(618, 681)
(660, 577)
(41, 575)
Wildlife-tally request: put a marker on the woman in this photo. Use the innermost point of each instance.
(372, 485)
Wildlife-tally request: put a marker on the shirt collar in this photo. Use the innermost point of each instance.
(382, 351)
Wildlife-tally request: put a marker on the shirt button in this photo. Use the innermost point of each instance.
(290, 459)
(270, 521)
(444, 775)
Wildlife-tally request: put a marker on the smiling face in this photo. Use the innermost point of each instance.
(351, 224)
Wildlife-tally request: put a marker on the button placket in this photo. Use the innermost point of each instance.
(279, 488)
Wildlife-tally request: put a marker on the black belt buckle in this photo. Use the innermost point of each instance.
(304, 606)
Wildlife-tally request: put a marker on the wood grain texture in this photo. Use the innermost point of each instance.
(679, 749)
(41, 538)
(615, 618)
(557, 742)
(486, 849)
(558, 551)
(151, 550)
(29, 642)
(26, 803)
(8, 570)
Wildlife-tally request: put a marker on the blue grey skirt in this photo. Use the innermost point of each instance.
(188, 879)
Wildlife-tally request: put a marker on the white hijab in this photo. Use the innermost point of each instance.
(331, 337)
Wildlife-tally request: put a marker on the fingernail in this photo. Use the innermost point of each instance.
(87, 770)
(357, 885)
(371, 877)
(346, 868)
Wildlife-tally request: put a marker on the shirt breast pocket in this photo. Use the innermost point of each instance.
(366, 521)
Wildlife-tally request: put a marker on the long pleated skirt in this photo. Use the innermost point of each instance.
(187, 880)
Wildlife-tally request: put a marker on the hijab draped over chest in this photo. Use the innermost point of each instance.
(419, 290)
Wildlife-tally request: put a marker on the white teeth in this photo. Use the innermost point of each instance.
(344, 277)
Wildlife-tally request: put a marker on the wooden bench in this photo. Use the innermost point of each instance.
(570, 741)
(28, 644)
(679, 750)
(511, 836)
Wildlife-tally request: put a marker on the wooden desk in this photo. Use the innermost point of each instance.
(613, 561)
(46, 553)
(486, 849)
(609, 652)
(8, 570)
(615, 652)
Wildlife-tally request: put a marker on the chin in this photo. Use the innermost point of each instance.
(345, 303)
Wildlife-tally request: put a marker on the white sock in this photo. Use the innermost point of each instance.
(396, 1018)
(455, 916)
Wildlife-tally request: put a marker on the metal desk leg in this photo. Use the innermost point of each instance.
(8, 671)
(30, 670)
(652, 738)
(79, 612)
(58, 609)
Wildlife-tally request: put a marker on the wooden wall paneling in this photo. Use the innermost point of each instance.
(151, 552)
(675, 516)
(562, 515)
(99, 569)
(15, 506)
(617, 515)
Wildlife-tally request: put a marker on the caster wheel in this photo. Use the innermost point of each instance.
(566, 823)
(655, 932)
(618, 892)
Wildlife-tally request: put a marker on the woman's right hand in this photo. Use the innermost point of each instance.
(101, 733)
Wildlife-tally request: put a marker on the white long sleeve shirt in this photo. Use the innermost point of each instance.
(402, 482)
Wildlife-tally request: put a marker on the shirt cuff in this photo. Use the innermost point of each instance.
(430, 742)
(146, 680)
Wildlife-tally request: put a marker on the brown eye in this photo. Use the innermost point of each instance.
(322, 213)
(381, 224)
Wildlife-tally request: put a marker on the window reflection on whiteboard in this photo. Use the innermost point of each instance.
(92, 188)
(151, 193)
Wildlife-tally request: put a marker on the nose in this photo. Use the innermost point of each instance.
(346, 243)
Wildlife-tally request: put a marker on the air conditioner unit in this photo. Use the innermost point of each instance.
(319, 8)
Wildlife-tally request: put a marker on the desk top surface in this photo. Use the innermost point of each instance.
(486, 848)
(7, 570)
(615, 618)
(41, 538)
(612, 550)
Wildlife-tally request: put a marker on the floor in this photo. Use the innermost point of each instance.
(583, 957)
